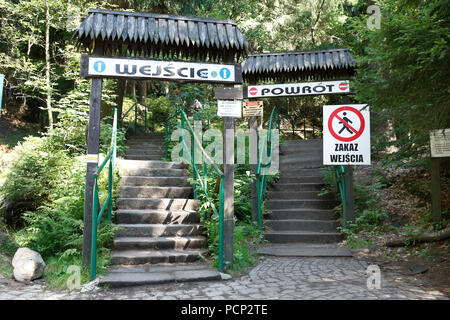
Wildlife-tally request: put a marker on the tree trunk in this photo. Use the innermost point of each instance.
(121, 85)
(47, 65)
(143, 100)
(424, 237)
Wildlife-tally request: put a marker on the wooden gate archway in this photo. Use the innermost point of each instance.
(132, 35)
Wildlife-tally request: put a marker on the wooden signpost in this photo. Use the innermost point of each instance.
(439, 148)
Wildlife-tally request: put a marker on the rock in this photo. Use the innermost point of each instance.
(225, 276)
(90, 286)
(28, 265)
(3, 237)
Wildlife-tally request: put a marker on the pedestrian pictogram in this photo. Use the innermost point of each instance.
(346, 124)
(346, 134)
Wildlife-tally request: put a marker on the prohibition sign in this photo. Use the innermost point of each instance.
(357, 133)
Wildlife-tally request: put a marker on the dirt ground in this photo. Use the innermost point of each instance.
(406, 199)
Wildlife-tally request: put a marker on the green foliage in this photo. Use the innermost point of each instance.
(28, 183)
(246, 235)
(57, 272)
(403, 74)
(58, 225)
(370, 218)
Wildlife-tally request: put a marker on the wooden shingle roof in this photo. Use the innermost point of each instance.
(157, 35)
(292, 66)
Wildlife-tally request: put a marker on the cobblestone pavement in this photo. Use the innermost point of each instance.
(272, 278)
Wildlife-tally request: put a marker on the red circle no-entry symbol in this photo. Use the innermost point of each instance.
(356, 133)
(343, 86)
(253, 91)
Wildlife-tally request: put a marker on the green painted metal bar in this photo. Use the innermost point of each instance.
(340, 181)
(266, 148)
(202, 181)
(2, 78)
(94, 232)
(96, 214)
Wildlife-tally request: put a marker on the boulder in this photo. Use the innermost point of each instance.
(28, 265)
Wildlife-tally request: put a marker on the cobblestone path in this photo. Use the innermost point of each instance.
(272, 278)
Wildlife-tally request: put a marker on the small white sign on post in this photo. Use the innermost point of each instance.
(440, 143)
(229, 108)
(346, 134)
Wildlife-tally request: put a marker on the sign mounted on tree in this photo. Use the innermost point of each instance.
(346, 135)
(106, 67)
(252, 109)
(297, 89)
(440, 143)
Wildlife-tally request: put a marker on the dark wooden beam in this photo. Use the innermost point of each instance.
(91, 168)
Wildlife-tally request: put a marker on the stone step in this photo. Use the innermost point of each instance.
(153, 172)
(298, 186)
(305, 214)
(300, 159)
(162, 203)
(302, 225)
(144, 151)
(151, 164)
(158, 230)
(284, 166)
(143, 157)
(154, 181)
(304, 143)
(304, 203)
(125, 276)
(293, 178)
(293, 194)
(134, 257)
(157, 217)
(154, 192)
(159, 243)
(306, 172)
(302, 236)
(157, 146)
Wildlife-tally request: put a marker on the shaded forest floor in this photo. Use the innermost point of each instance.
(405, 197)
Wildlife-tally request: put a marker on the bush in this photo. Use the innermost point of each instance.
(34, 173)
(58, 225)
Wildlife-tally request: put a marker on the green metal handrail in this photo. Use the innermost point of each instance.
(261, 169)
(197, 177)
(96, 214)
(339, 172)
(135, 106)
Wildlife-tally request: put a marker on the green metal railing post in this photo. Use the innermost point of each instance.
(145, 119)
(221, 220)
(94, 231)
(182, 137)
(135, 118)
(194, 164)
(96, 214)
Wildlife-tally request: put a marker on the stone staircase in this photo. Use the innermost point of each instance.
(159, 237)
(298, 213)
